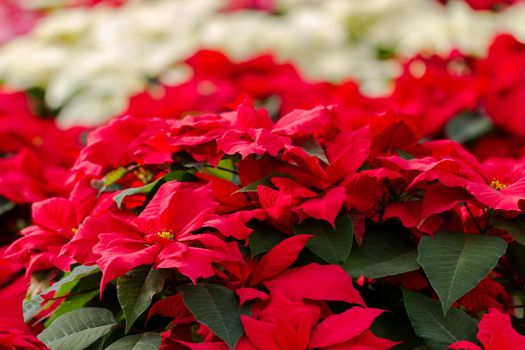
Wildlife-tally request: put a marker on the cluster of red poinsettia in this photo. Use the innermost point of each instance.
(301, 215)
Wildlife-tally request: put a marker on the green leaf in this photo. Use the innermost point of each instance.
(224, 170)
(514, 226)
(395, 326)
(177, 175)
(456, 262)
(6, 206)
(78, 329)
(263, 239)
(467, 127)
(437, 330)
(136, 289)
(144, 341)
(119, 198)
(114, 175)
(404, 154)
(216, 307)
(74, 276)
(331, 245)
(32, 306)
(108, 183)
(71, 304)
(382, 254)
(516, 255)
(265, 180)
(314, 149)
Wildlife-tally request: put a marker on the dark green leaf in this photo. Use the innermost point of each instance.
(179, 175)
(390, 325)
(136, 289)
(216, 307)
(516, 255)
(265, 180)
(144, 341)
(437, 330)
(78, 329)
(6, 206)
(467, 127)
(382, 254)
(314, 149)
(456, 262)
(263, 239)
(514, 226)
(331, 245)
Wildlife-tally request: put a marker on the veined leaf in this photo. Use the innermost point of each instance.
(216, 307)
(331, 245)
(515, 227)
(143, 341)
(263, 239)
(75, 275)
(78, 329)
(437, 330)
(32, 306)
(71, 304)
(382, 254)
(456, 262)
(136, 289)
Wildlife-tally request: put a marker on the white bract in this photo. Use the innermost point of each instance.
(89, 62)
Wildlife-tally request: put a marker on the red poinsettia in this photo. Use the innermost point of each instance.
(161, 235)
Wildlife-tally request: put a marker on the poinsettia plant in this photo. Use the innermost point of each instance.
(234, 231)
(344, 223)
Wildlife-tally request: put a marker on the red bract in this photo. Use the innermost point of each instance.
(283, 324)
(349, 329)
(505, 87)
(495, 333)
(504, 188)
(333, 284)
(488, 4)
(14, 334)
(161, 235)
(436, 89)
(37, 155)
(16, 20)
(55, 224)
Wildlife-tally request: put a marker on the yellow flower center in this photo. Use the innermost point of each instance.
(38, 141)
(74, 230)
(165, 234)
(497, 185)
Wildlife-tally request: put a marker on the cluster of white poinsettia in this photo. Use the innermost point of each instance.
(90, 61)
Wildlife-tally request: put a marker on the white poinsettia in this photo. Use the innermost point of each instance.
(90, 61)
